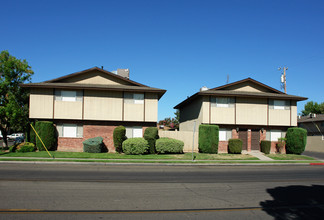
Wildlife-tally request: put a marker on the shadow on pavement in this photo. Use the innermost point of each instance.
(318, 155)
(295, 202)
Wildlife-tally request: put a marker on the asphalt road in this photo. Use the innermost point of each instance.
(38, 191)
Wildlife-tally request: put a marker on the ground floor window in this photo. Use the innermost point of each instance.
(132, 132)
(225, 134)
(274, 135)
(70, 130)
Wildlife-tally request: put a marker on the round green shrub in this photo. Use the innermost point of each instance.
(93, 145)
(265, 146)
(26, 147)
(169, 145)
(135, 146)
(235, 146)
(208, 139)
(119, 136)
(296, 140)
(151, 134)
(46, 132)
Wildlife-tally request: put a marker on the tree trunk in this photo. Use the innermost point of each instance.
(4, 139)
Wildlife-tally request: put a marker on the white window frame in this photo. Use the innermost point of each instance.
(224, 134)
(274, 135)
(134, 98)
(133, 132)
(68, 95)
(70, 130)
(223, 102)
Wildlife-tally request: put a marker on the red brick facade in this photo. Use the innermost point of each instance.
(91, 130)
(223, 145)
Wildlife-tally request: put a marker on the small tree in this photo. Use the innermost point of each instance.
(119, 136)
(208, 139)
(151, 134)
(13, 98)
(46, 132)
(296, 140)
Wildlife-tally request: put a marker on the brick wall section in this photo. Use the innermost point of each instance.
(222, 146)
(103, 129)
(249, 140)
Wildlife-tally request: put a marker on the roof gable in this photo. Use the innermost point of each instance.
(95, 76)
(248, 85)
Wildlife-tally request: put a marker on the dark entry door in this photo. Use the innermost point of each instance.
(243, 137)
(255, 140)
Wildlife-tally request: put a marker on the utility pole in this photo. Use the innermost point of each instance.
(283, 78)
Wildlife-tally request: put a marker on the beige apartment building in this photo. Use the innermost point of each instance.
(246, 109)
(92, 103)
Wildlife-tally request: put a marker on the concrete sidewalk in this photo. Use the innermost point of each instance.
(259, 155)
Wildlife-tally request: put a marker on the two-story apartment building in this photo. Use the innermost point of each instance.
(246, 109)
(92, 103)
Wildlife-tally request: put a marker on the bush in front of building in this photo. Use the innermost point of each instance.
(265, 146)
(235, 146)
(169, 146)
(296, 140)
(119, 136)
(93, 145)
(151, 134)
(135, 146)
(46, 132)
(208, 139)
(26, 147)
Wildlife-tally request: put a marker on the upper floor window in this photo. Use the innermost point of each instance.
(134, 98)
(222, 102)
(279, 104)
(68, 95)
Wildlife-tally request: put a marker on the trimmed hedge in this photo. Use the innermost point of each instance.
(208, 139)
(46, 132)
(93, 145)
(235, 146)
(119, 136)
(151, 134)
(296, 140)
(265, 146)
(135, 146)
(169, 145)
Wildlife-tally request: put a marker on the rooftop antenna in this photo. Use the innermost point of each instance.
(283, 80)
(227, 79)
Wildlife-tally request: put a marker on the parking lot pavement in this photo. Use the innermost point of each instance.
(317, 155)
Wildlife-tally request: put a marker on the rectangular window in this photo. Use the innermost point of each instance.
(273, 135)
(70, 130)
(279, 104)
(68, 95)
(222, 102)
(134, 98)
(225, 134)
(132, 132)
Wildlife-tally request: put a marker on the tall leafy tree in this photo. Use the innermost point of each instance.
(313, 107)
(13, 98)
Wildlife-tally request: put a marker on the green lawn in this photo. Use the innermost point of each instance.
(186, 156)
(289, 157)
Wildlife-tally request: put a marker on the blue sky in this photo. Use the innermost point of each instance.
(175, 45)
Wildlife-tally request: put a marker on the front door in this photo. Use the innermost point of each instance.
(255, 140)
(243, 137)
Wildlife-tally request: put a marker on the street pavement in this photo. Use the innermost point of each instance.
(43, 191)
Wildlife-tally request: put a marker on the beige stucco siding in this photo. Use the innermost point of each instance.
(41, 103)
(251, 111)
(103, 105)
(133, 112)
(191, 113)
(67, 110)
(151, 107)
(222, 115)
(293, 113)
(96, 77)
(248, 87)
